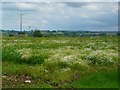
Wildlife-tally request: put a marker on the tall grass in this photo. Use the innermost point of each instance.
(55, 61)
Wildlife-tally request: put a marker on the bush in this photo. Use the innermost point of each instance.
(37, 33)
(11, 35)
(102, 58)
(21, 32)
(62, 65)
(10, 55)
(23, 57)
(33, 60)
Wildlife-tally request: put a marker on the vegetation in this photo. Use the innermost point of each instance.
(60, 62)
(21, 32)
(68, 33)
(37, 33)
(99, 80)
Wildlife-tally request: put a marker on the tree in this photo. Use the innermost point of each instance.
(21, 32)
(37, 33)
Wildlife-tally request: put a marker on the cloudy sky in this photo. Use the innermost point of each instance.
(100, 16)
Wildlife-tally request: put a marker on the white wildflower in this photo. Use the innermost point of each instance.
(27, 81)
(25, 53)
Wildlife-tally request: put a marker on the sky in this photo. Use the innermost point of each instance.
(93, 16)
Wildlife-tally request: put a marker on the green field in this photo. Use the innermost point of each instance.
(60, 62)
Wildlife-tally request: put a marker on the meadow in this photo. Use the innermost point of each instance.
(60, 62)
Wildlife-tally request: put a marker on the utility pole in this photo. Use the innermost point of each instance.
(21, 22)
(30, 30)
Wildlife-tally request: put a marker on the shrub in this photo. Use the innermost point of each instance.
(37, 33)
(21, 32)
(9, 54)
(33, 60)
(23, 56)
(63, 64)
(102, 58)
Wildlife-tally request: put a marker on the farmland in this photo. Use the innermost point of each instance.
(60, 62)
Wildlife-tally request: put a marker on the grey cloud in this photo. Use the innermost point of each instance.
(76, 4)
(10, 6)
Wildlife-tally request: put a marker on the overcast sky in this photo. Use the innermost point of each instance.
(101, 16)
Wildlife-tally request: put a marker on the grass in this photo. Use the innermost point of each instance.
(59, 62)
(107, 79)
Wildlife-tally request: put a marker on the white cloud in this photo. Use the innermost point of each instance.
(66, 17)
(85, 16)
(25, 5)
(44, 22)
(91, 7)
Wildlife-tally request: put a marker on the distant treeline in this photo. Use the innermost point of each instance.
(47, 33)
